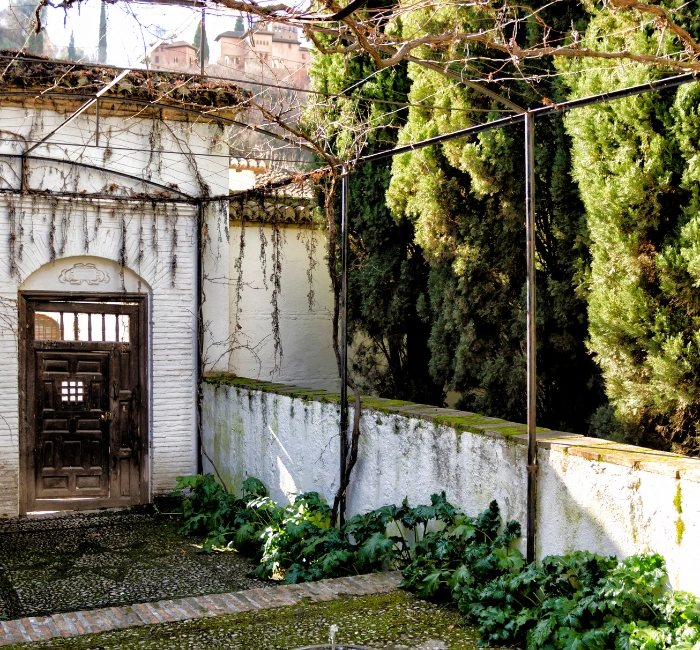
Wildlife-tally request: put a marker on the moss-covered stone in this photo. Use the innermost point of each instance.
(678, 500)
(458, 420)
(381, 622)
(509, 429)
(680, 530)
(465, 422)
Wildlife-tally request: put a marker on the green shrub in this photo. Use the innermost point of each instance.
(571, 602)
(574, 602)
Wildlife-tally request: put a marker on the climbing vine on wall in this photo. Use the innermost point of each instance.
(276, 280)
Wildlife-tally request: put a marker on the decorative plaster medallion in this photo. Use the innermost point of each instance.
(79, 273)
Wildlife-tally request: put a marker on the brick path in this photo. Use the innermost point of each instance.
(40, 628)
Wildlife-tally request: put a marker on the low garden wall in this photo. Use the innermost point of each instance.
(593, 494)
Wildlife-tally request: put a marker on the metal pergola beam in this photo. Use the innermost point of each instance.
(528, 118)
(470, 84)
(669, 82)
(80, 110)
(137, 179)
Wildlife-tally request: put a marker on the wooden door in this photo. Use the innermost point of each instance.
(86, 419)
(73, 409)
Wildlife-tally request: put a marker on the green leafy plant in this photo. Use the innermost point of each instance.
(574, 602)
(296, 543)
(571, 602)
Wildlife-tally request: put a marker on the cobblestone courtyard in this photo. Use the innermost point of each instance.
(87, 561)
(147, 587)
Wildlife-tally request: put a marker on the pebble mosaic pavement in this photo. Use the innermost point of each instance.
(105, 559)
(66, 625)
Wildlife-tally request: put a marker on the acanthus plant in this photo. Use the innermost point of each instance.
(577, 601)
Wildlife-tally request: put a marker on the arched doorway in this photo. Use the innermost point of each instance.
(83, 391)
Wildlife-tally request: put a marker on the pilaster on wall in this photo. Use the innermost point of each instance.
(593, 494)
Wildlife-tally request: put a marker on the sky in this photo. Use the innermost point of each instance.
(131, 28)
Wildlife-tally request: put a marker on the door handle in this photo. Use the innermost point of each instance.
(106, 416)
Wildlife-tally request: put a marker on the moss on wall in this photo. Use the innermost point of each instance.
(680, 529)
(677, 500)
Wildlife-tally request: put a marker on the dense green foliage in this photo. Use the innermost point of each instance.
(388, 273)
(574, 602)
(635, 164)
(577, 601)
(296, 543)
(198, 43)
(617, 189)
(437, 284)
(465, 198)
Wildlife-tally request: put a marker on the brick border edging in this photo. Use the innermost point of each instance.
(71, 624)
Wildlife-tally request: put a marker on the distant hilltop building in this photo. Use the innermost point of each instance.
(267, 52)
(179, 55)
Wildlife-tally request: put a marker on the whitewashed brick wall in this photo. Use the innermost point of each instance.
(592, 494)
(305, 331)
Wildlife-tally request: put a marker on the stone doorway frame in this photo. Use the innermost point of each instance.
(26, 428)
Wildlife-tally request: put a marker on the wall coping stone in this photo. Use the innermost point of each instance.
(594, 449)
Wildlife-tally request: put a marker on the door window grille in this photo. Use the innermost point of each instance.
(71, 391)
(76, 326)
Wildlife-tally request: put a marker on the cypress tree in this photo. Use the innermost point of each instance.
(17, 27)
(635, 162)
(102, 43)
(388, 273)
(466, 200)
(71, 53)
(198, 42)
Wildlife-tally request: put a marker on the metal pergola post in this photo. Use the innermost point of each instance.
(531, 335)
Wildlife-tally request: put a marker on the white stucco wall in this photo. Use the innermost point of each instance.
(305, 331)
(592, 494)
(157, 244)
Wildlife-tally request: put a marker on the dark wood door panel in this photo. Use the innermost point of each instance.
(72, 430)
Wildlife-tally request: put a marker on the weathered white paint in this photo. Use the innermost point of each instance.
(592, 494)
(156, 245)
(305, 329)
(616, 509)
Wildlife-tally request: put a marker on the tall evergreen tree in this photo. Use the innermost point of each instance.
(636, 164)
(71, 52)
(102, 44)
(198, 42)
(17, 27)
(466, 199)
(388, 273)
